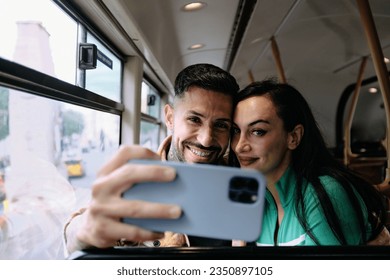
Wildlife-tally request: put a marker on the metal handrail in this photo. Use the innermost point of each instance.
(348, 154)
(381, 71)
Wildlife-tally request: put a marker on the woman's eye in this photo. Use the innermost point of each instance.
(259, 132)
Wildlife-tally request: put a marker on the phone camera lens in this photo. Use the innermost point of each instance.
(243, 189)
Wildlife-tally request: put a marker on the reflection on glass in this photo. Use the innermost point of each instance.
(106, 78)
(369, 122)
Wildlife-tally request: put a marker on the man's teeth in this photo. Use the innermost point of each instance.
(199, 153)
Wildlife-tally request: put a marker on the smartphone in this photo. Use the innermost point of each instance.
(217, 201)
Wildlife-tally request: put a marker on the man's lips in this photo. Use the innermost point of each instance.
(205, 153)
(200, 153)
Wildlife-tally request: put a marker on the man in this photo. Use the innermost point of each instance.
(199, 121)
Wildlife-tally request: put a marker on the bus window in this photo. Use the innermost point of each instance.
(149, 136)
(39, 35)
(54, 135)
(74, 139)
(150, 119)
(106, 78)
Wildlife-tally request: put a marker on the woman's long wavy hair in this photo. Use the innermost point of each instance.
(312, 159)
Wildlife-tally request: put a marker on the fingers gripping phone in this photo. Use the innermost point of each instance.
(217, 201)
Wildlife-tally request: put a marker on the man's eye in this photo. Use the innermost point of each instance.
(194, 119)
(235, 131)
(222, 125)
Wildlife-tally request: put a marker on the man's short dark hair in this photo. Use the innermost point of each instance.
(206, 76)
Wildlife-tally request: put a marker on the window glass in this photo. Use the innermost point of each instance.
(74, 140)
(150, 101)
(105, 79)
(150, 118)
(39, 35)
(50, 151)
(149, 137)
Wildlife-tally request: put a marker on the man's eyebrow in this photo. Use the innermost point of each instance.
(192, 112)
(225, 120)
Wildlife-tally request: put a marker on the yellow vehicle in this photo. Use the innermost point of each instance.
(75, 168)
(73, 160)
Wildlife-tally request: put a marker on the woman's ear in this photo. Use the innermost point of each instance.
(168, 111)
(295, 137)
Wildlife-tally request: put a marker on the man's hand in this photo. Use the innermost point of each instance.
(100, 225)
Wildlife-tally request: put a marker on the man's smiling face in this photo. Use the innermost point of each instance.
(200, 123)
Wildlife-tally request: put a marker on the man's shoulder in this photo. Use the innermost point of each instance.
(164, 147)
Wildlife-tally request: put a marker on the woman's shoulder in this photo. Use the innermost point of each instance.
(338, 193)
(331, 185)
(327, 179)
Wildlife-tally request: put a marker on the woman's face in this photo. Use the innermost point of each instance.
(259, 139)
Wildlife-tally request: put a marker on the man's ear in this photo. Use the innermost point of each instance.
(295, 137)
(169, 112)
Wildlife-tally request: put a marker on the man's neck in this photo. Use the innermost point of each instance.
(172, 156)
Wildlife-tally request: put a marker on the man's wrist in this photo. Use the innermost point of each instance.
(72, 243)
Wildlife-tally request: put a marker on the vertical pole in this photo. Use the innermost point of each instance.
(348, 123)
(381, 71)
(130, 124)
(251, 78)
(278, 61)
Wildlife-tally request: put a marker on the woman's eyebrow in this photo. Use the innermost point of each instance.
(259, 121)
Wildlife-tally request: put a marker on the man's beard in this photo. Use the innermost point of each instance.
(173, 154)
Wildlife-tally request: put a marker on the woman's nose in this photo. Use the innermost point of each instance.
(241, 145)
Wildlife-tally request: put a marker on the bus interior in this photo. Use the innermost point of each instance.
(79, 78)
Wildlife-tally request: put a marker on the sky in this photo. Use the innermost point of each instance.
(61, 27)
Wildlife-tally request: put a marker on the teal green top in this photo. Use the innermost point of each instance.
(291, 232)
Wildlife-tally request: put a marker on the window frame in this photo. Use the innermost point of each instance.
(19, 77)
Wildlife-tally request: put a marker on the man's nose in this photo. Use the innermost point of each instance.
(206, 136)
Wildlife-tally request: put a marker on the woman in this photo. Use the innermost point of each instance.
(311, 198)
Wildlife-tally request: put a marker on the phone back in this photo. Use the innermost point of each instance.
(217, 202)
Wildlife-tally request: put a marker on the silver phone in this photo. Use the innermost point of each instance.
(217, 201)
